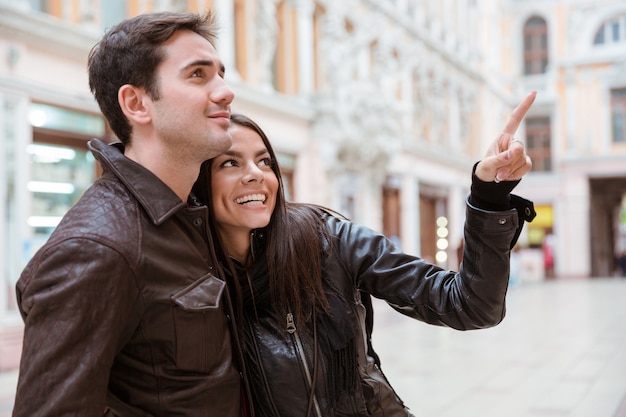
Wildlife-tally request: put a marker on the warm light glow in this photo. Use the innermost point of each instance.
(50, 187)
(442, 244)
(441, 257)
(43, 221)
(37, 118)
(50, 154)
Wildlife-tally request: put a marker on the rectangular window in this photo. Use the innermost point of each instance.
(618, 115)
(113, 12)
(615, 30)
(538, 143)
(39, 5)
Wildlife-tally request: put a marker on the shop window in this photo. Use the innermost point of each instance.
(535, 46)
(434, 244)
(61, 166)
(59, 176)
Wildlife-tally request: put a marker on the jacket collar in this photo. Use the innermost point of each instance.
(156, 198)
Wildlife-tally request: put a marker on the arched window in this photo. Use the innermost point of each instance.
(612, 31)
(535, 46)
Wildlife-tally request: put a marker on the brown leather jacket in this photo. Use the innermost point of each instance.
(122, 308)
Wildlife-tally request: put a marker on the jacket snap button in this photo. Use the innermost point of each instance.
(527, 211)
(197, 221)
(502, 221)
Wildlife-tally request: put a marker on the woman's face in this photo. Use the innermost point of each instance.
(244, 187)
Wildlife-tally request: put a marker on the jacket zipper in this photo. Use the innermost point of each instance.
(291, 329)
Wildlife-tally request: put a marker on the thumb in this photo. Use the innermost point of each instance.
(494, 168)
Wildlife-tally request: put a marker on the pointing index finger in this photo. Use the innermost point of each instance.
(518, 114)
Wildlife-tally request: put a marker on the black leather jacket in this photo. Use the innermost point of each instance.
(361, 263)
(122, 309)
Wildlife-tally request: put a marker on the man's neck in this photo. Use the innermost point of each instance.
(176, 175)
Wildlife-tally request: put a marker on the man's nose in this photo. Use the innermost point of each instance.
(221, 92)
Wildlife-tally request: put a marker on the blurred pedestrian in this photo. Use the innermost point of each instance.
(621, 263)
(547, 247)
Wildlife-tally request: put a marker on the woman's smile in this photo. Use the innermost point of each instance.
(243, 187)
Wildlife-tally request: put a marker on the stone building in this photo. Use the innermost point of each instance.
(377, 109)
(574, 54)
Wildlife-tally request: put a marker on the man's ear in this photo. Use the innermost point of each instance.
(132, 101)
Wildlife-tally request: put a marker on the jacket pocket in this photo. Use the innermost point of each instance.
(202, 335)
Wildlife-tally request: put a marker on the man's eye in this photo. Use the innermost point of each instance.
(197, 73)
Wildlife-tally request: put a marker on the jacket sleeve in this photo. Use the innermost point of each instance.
(472, 298)
(77, 300)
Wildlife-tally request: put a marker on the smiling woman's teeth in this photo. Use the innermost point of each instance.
(254, 199)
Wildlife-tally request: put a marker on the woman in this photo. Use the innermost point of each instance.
(304, 276)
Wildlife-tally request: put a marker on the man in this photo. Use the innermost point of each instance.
(123, 313)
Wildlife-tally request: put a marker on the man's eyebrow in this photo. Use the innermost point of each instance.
(200, 63)
(206, 63)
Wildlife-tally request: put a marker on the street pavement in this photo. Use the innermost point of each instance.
(560, 352)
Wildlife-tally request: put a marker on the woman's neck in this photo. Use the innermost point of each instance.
(237, 246)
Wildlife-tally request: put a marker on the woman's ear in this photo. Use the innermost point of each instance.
(131, 100)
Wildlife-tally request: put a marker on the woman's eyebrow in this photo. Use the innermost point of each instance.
(240, 155)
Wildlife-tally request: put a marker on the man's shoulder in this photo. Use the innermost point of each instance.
(105, 211)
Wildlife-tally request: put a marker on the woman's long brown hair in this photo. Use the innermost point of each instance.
(294, 242)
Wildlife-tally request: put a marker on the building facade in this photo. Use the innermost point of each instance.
(574, 54)
(376, 109)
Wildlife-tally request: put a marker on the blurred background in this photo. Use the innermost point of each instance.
(377, 108)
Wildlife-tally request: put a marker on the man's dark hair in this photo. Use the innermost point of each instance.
(130, 52)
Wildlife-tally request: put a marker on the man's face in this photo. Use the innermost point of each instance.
(192, 114)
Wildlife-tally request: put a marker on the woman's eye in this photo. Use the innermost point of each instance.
(266, 162)
(228, 163)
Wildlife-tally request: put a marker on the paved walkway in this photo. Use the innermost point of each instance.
(560, 352)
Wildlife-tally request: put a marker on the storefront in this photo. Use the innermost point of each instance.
(46, 168)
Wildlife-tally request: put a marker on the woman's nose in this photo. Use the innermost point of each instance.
(253, 173)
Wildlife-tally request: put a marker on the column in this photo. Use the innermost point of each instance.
(570, 109)
(225, 13)
(306, 50)
(410, 215)
(456, 220)
(15, 136)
